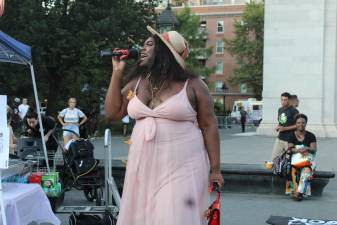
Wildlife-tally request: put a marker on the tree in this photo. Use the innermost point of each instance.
(66, 37)
(189, 27)
(247, 48)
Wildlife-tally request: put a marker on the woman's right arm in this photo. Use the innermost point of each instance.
(116, 98)
(60, 119)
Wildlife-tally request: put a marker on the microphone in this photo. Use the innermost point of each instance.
(132, 53)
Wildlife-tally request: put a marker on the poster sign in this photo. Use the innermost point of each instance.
(282, 220)
(3, 110)
(4, 147)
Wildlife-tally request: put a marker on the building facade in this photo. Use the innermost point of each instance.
(218, 17)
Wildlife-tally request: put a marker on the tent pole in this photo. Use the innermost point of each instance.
(39, 116)
(2, 205)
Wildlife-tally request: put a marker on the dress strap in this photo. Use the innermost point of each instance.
(186, 83)
(136, 87)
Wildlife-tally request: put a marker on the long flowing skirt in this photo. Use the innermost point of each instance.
(166, 179)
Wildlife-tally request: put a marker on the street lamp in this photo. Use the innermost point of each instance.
(167, 20)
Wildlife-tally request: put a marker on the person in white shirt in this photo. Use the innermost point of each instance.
(71, 118)
(23, 108)
(126, 121)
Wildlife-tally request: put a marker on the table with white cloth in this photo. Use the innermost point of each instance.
(25, 203)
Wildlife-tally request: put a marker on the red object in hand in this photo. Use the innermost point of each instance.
(213, 212)
(123, 53)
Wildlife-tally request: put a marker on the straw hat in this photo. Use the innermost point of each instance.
(175, 42)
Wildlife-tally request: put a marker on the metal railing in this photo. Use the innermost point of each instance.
(227, 122)
(224, 122)
(111, 190)
(198, 3)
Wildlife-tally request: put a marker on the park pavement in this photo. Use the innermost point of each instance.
(248, 208)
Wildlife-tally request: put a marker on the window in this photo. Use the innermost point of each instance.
(219, 46)
(257, 107)
(203, 24)
(203, 30)
(214, 2)
(243, 88)
(219, 67)
(220, 26)
(218, 86)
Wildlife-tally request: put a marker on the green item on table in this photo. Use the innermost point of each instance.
(50, 184)
(53, 191)
(49, 180)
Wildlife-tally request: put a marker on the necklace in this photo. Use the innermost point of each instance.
(154, 90)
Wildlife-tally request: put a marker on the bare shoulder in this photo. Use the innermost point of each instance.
(198, 94)
(203, 99)
(130, 86)
(132, 83)
(199, 87)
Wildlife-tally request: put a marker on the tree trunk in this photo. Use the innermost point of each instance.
(55, 81)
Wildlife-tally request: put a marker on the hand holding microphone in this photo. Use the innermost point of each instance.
(131, 53)
(118, 57)
(118, 63)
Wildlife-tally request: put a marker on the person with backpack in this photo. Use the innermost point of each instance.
(286, 126)
(71, 119)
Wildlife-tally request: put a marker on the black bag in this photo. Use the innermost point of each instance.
(84, 166)
(83, 219)
(282, 165)
(81, 149)
(80, 157)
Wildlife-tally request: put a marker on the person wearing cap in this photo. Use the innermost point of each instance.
(174, 154)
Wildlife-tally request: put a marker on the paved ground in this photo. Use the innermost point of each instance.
(245, 208)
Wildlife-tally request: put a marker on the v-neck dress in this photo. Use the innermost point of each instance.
(167, 174)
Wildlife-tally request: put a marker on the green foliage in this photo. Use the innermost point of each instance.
(247, 47)
(189, 27)
(66, 37)
(218, 108)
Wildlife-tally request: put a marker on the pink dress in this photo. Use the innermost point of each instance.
(166, 180)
